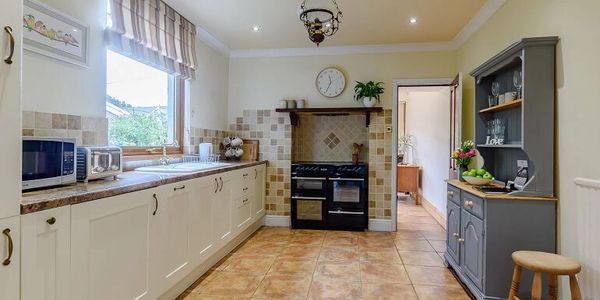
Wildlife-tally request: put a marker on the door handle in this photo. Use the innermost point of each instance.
(341, 212)
(461, 241)
(6, 233)
(456, 235)
(51, 221)
(155, 204)
(468, 204)
(221, 188)
(347, 179)
(11, 38)
(179, 188)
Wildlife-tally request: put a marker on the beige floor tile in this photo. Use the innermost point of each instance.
(296, 267)
(388, 291)
(431, 228)
(332, 234)
(331, 289)
(439, 246)
(306, 240)
(340, 270)
(259, 251)
(374, 234)
(380, 255)
(203, 280)
(420, 275)
(421, 258)
(413, 245)
(283, 287)
(194, 296)
(307, 252)
(255, 266)
(375, 243)
(339, 254)
(404, 234)
(383, 272)
(341, 241)
(426, 292)
(231, 284)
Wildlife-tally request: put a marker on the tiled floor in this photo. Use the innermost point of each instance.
(280, 263)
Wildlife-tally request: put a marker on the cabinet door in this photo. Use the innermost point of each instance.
(242, 212)
(259, 191)
(472, 252)
(110, 247)
(9, 260)
(45, 259)
(170, 227)
(201, 238)
(453, 231)
(11, 13)
(222, 217)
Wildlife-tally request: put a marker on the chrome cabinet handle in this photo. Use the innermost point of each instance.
(179, 188)
(11, 37)
(216, 185)
(255, 174)
(51, 221)
(456, 235)
(245, 189)
(461, 241)
(155, 204)
(6, 233)
(450, 193)
(468, 204)
(221, 180)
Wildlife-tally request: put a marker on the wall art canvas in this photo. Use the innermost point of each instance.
(49, 32)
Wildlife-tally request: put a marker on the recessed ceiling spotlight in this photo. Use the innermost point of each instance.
(412, 20)
(255, 28)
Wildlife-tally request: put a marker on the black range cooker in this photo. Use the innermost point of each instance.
(329, 195)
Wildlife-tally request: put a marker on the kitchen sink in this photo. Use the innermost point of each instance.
(181, 167)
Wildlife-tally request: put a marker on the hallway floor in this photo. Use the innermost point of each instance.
(280, 263)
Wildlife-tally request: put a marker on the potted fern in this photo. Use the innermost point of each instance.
(368, 92)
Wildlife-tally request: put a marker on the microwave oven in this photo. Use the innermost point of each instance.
(48, 162)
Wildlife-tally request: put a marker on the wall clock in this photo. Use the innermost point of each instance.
(331, 82)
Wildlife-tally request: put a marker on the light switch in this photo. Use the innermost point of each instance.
(388, 129)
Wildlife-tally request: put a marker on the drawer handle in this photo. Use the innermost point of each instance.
(51, 221)
(155, 204)
(450, 194)
(456, 235)
(6, 233)
(468, 204)
(255, 173)
(461, 241)
(221, 180)
(179, 188)
(245, 189)
(11, 37)
(216, 185)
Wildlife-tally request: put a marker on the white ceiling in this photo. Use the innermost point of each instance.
(365, 22)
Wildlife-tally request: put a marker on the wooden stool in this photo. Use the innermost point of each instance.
(549, 263)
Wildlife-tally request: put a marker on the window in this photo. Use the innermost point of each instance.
(143, 106)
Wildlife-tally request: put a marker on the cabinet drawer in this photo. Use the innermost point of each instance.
(453, 194)
(473, 204)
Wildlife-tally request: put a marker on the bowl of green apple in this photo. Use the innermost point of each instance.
(477, 177)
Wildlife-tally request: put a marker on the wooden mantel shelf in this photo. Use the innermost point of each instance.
(330, 111)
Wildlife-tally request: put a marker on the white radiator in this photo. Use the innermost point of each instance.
(588, 236)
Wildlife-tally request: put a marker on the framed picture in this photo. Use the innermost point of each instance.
(52, 33)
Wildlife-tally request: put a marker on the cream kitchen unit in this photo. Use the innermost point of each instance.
(148, 244)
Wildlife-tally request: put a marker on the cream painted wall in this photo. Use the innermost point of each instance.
(256, 83)
(54, 86)
(576, 22)
(427, 121)
(208, 92)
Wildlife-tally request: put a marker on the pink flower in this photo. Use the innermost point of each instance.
(472, 153)
(461, 154)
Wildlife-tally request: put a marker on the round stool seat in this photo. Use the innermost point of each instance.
(546, 262)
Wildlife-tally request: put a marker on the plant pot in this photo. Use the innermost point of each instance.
(461, 170)
(355, 159)
(369, 101)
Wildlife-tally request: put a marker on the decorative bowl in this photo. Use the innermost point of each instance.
(476, 180)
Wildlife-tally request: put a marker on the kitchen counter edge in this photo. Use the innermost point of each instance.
(127, 182)
(471, 189)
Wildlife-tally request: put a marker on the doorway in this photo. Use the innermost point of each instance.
(427, 122)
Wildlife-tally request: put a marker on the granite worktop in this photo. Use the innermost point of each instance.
(502, 196)
(127, 182)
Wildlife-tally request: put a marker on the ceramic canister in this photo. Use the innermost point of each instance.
(283, 104)
(291, 103)
(300, 103)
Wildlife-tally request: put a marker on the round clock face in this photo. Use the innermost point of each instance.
(331, 82)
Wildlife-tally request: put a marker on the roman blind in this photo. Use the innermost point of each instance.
(152, 32)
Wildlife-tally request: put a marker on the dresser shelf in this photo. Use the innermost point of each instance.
(503, 106)
(330, 111)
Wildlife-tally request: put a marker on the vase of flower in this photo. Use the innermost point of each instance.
(463, 157)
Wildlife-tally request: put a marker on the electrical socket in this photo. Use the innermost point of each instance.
(388, 129)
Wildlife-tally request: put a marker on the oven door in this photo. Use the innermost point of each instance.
(309, 186)
(42, 163)
(309, 212)
(347, 194)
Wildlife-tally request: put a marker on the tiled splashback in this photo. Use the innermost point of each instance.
(274, 133)
(329, 138)
(380, 165)
(89, 131)
(196, 136)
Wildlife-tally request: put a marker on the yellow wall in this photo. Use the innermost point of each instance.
(576, 22)
(259, 83)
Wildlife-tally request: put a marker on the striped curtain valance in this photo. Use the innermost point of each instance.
(152, 32)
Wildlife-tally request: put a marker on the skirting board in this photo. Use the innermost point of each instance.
(434, 212)
(380, 225)
(277, 221)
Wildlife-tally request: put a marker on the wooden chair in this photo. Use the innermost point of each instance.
(549, 263)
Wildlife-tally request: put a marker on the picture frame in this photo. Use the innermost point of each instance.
(51, 33)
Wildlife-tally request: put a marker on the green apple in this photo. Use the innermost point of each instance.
(487, 176)
(479, 176)
(465, 173)
(472, 173)
(481, 172)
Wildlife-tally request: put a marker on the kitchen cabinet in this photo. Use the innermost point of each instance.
(111, 247)
(10, 252)
(202, 200)
(259, 191)
(453, 231)
(222, 212)
(45, 256)
(243, 198)
(471, 252)
(170, 235)
(10, 107)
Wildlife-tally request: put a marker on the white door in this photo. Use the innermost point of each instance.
(201, 238)
(11, 13)
(45, 259)
(222, 216)
(9, 258)
(455, 121)
(259, 191)
(110, 242)
(171, 229)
